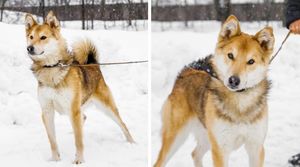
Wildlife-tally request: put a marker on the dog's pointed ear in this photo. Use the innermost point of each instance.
(52, 21)
(265, 38)
(29, 21)
(230, 28)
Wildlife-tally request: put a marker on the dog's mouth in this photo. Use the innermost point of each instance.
(36, 54)
(235, 89)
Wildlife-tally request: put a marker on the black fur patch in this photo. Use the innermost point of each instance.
(91, 58)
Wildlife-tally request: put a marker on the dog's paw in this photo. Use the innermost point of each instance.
(55, 157)
(78, 160)
(130, 140)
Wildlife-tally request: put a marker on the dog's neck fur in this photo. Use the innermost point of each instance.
(239, 107)
(52, 76)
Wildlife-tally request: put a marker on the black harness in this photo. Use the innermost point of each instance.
(204, 65)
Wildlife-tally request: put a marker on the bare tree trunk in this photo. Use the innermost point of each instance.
(222, 9)
(102, 12)
(186, 23)
(83, 14)
(129, 17)
(42, 7)
(92, 14)
(2, 9)
(67, 2)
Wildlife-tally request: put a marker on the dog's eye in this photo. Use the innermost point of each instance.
(251, 61)
(230, 56)
(31, 37)
(43, 37)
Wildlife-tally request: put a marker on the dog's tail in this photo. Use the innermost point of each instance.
(85, 52)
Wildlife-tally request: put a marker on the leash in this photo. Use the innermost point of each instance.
(60, 64)
(111, 63)
(286, 37)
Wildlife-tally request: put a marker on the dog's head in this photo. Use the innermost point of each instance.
(242, 60)
(43, 40)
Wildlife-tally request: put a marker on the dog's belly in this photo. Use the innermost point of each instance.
(59, 99)
(231, 136)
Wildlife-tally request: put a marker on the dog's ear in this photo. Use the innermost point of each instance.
(29, 21)
(265, 38)
(230, 28)
(52, 21)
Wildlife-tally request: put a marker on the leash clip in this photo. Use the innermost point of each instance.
(62, 65)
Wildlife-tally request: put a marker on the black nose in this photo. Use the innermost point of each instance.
(30, 49)
(234, 81)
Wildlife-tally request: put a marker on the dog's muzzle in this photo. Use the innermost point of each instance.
(31, 51)
(234, 82)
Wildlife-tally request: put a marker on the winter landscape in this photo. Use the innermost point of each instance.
(23, 138)
(173, 49)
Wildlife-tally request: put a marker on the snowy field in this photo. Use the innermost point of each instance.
(171, 50)
(24, 142)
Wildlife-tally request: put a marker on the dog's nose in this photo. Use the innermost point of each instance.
(30, 49)
(234, 81)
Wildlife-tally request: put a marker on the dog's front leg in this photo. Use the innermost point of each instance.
(48, 120)
(219, 154)
(256, 154)
(77, 122)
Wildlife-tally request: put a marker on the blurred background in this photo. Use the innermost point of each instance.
(187, 13)
(81, 14)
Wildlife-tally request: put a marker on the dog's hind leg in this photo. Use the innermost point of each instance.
(175, 130)
(203, 144)
(103, 98)
(48, 120)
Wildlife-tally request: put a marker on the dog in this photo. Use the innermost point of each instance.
(221, 99)
(64, 83)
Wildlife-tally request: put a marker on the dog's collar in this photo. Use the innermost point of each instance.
(59, 64)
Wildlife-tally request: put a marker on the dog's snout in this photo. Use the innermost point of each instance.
(30, 49)
(234, 81)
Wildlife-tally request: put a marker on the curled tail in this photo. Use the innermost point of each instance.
(85, 52)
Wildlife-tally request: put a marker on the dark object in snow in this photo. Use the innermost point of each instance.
(294, 161)
(292, 11)
(203, 65)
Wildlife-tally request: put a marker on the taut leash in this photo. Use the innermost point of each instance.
(111, 63)
(287, 36)
(60, 64)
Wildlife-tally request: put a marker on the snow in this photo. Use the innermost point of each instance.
(171, 50)
(24, 141)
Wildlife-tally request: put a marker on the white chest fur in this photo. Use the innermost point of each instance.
(55, 99)
(231, 136)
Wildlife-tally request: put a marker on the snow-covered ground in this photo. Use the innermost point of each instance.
(23, 138)
(171, 50)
